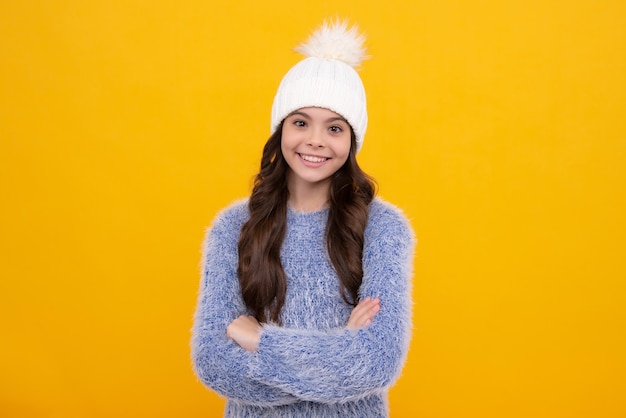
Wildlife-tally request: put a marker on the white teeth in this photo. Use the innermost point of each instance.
(313, 159)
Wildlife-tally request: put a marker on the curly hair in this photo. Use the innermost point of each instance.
(261, 276)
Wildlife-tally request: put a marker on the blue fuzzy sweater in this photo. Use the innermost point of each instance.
(311, 366)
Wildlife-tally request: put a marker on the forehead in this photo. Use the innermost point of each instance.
(318, 113)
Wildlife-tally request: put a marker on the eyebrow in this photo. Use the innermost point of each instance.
(305, 115)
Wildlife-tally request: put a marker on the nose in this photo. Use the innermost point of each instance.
(316, 139)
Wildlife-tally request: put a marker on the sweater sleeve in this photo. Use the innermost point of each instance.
(342, 365)
(220, 363)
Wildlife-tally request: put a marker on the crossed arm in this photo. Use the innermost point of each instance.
(271, 365)
(246, 330)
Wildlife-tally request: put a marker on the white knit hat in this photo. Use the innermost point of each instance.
(326, 78)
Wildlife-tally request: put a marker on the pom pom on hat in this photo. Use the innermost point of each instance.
(334, 40)
(326, 78)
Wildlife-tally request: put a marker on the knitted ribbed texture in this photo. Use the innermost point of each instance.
(327, 78)
(327, 83)
(311, 366)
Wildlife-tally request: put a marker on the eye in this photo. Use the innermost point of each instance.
(336, 129)
(299, 123)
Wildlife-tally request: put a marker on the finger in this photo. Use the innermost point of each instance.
(364, 312)
(367, 305)
(368, 311)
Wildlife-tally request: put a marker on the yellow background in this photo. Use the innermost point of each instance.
(498, 126)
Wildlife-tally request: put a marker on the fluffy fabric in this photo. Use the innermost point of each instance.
(311, 366)
(334, 40)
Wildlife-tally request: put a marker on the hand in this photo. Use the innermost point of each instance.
(245, 331)
(363, 313)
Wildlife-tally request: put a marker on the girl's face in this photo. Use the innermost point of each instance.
(315, 143)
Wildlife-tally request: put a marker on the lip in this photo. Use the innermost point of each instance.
(312, 164)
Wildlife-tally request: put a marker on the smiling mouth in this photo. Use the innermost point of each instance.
(313, 159)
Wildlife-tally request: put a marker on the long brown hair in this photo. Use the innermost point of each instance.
(261, 275)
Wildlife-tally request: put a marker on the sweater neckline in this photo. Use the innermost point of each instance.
(294, 213)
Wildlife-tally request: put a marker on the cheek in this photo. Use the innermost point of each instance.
(288, 139)
(284, 142)
(344, 149)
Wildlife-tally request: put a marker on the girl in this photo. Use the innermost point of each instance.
(304, 307)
